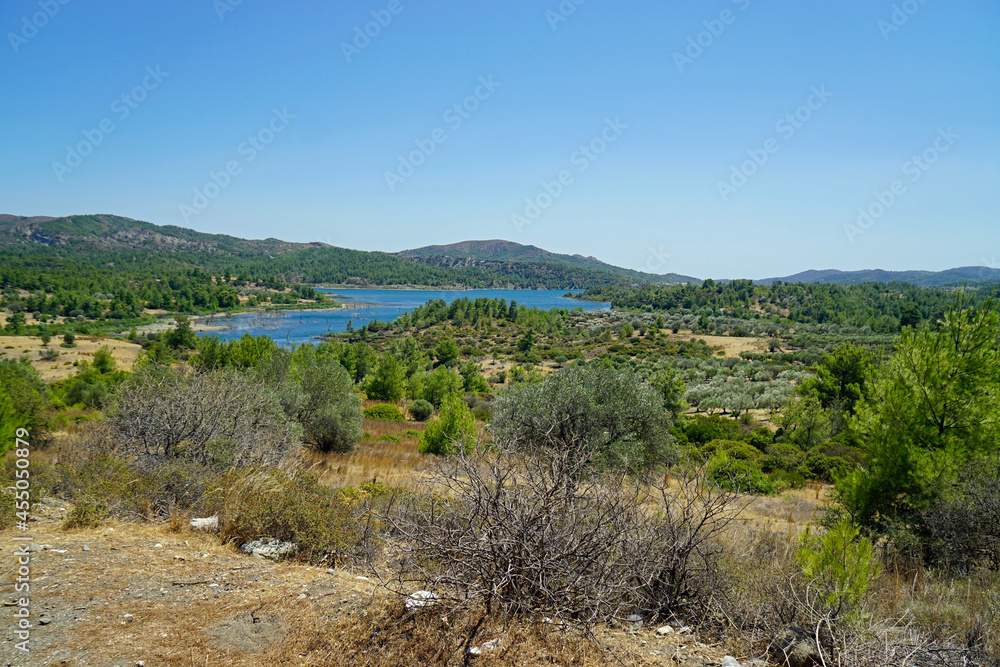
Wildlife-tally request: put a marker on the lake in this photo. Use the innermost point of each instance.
(292, 327)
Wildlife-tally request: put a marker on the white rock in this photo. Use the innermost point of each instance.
(206, 523)
(664, 630)
(418, 599)
(269, 547)
(491, 645)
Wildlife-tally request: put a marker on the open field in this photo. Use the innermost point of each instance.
(15, 347)
(730, 346)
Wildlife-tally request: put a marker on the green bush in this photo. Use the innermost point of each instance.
(734, 449)
(421, 410)
(409, 433)
(822, 467)
(738, 475)
(700, 429)
(452, 432)
(842, 563)
(784, 480)
(7, 509)
(88, 513)
(781, 456)
(385, 412)
(298, 509)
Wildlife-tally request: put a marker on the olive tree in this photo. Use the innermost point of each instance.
(607, 418)
(221, 418)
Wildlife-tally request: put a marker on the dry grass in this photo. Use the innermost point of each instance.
(124, 353)
(730, 346)
(396, 464)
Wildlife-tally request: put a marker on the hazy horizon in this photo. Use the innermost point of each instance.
(728, 139)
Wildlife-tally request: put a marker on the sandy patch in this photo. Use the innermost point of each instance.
(198, 325)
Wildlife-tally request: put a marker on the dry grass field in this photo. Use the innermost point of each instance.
(60, 368)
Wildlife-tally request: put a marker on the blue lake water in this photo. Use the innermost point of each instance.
(364, 305)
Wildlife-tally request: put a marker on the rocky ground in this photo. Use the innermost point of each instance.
(139, 594)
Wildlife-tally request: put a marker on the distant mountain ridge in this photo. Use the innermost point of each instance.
(970, 275)
(491, 263)
(497, 250)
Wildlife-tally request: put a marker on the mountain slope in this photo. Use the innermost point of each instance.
(951, 277)
(46, 245)
(497, 250)
(115, 232)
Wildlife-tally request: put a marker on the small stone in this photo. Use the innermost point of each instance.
(664, 630)
(634, 622)
(360, 578)
(44, 620)
(157, 546)
(331, 571)
(86, 548)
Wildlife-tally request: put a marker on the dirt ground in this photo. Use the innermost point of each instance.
(138, 594)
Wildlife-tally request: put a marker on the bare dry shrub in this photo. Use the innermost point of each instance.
(531, 535)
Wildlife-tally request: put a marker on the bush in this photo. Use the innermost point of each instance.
(297, 509)
(8, 508)
(385, 412)
(964, 532)
(421, 410)
(452, 432)
(842, 563)
(781, 456)
(582, 553)
(609, 418)
(734, 449)
(822, 467)
(87, 514)
(24, 399)
(738, 476)
(221, 418)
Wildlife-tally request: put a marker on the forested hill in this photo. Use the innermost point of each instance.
(44, 250)
(494, 253)
(966, 275)
(111, 232)
(883, 307)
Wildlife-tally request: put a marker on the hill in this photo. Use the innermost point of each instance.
(44, 250)
(496, 251)
(949, 278)
(113, 232)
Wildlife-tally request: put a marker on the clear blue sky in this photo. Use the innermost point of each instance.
(665, 121)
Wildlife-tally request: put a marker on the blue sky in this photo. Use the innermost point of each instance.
(723, 138)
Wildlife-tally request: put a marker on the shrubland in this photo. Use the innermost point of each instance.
(604, 475)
